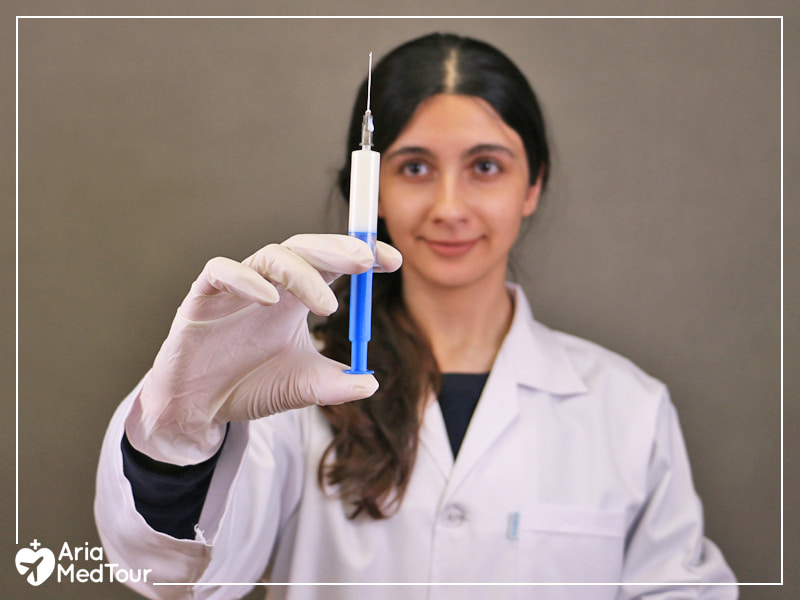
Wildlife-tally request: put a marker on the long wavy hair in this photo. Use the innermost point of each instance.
(370, 458)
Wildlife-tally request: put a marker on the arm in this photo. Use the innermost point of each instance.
(232, 542)
(666, 545)
(169, 497)
(239, 350)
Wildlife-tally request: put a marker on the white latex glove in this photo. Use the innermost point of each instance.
(240, 348)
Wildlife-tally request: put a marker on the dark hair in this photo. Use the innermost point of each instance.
(374, 446)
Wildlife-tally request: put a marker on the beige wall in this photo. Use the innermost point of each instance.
(148, 146)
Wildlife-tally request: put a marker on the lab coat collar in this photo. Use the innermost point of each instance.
(531, 356)
(535, 353)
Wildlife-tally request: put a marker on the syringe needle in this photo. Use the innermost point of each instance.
(367, 126)
(369, 81)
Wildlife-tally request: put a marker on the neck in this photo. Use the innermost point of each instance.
(464, 325)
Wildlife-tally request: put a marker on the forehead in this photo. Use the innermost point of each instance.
(447, 120)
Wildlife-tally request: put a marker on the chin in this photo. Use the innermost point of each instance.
(453, 278)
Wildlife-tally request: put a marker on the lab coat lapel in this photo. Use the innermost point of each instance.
(496, 411)
(532, 357)
(433, 437)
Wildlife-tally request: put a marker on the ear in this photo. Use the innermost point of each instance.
(531, 201)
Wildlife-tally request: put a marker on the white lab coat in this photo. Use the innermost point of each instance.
(573, 471)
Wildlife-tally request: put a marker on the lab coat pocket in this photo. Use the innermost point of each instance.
(567, 544)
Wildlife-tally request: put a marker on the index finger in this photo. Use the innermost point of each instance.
(332, 253)
(388, 258)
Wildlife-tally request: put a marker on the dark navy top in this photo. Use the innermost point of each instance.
(457, 399)
(169, 497)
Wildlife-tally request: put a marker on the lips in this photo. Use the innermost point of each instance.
(451, 248)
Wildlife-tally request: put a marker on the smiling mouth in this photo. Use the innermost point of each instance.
(451, 248)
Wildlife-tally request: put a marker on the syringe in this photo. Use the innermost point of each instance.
(363, 224)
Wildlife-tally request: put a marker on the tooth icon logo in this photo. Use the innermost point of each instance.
(35, 564)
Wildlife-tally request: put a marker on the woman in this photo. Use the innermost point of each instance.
(494, 451)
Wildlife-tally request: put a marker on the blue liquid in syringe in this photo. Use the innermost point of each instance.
(360, 312)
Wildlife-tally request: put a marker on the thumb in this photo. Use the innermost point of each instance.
(305, 379)
(329, 384)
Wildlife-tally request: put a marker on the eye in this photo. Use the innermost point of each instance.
(414, 168)
(486, 166)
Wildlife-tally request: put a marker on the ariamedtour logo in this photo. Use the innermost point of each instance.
(37, 563)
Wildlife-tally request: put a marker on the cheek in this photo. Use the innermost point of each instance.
(386, 201)
(394, 220)
(401, 211)
(505, 224)
(387, 194)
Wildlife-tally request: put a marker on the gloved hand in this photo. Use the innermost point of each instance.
(240, 348)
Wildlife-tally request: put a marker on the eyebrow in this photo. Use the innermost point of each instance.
(488, 148)
(475, 150)
(410, 150)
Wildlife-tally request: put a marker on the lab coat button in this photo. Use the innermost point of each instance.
(453, 515)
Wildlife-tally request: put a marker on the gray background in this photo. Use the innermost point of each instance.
(148, 146)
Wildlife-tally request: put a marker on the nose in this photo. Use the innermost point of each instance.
(449, 204)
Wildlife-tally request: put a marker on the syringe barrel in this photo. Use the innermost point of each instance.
(360, 320)
(363, 224)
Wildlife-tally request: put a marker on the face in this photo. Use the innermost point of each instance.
(454, 188)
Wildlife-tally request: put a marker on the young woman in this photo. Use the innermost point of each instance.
(494, 451)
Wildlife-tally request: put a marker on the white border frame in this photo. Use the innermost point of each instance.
(306, 17)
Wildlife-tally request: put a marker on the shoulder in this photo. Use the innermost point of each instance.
(598, 365)
(568, 365)
(629, 401)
